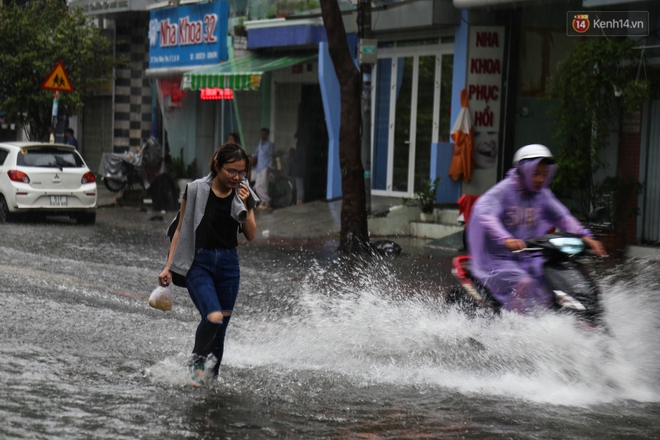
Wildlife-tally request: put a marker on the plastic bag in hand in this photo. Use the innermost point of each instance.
(161, 298)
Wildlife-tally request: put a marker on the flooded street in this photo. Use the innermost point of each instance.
(318, 347)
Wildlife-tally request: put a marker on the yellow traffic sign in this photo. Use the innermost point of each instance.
(58, 80)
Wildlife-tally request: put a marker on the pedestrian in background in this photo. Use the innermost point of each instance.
(203, 250)
(70, 138)
(264, 157)
(234, 138)
(297, 169)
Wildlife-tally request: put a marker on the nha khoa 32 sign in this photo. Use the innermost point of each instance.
(191, 35)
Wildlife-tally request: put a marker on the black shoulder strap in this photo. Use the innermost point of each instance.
(171, 229)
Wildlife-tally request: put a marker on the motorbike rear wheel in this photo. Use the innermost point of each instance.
(281, 192)
(114, 185)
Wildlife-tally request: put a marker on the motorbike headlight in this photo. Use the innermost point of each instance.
(568, 245)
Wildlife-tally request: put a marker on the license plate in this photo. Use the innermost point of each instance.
(57, 200)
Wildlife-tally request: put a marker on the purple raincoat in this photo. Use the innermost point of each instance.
(512, 209)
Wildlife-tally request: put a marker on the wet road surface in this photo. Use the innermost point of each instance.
(319, 347)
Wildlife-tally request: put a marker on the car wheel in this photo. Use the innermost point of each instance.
(4, 210)
(86, 218)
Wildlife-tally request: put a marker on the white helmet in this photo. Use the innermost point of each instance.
(533, 151)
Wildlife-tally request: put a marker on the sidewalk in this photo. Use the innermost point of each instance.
(322, 220)
(105, 197)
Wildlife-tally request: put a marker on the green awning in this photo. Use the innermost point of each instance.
(238, 74)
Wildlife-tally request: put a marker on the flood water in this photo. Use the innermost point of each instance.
(318, 347)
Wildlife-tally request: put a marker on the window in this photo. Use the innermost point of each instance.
(49, 157)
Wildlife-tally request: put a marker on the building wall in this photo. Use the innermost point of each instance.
(249, 104)
(332, 108)
(630, 142)
(95, 137)
(287, 99)
(133, 108)
(205, 134)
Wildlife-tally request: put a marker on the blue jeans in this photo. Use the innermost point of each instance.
(212, 282)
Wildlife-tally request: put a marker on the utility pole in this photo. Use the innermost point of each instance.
(367, 57)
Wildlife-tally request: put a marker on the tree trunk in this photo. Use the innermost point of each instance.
(354, 235)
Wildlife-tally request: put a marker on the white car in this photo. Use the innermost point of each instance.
(46, 178)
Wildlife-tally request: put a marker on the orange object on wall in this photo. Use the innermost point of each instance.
(462, 164)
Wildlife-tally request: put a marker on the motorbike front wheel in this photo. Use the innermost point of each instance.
(114, 185)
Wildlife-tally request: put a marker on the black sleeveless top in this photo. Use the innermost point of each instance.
(218, 229)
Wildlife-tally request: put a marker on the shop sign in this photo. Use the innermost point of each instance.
(484, 87)
(190, 35)
(216, 94)
(484, 84)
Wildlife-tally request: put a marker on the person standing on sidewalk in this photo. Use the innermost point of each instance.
(203, 250)
(297, 169)
(70, 138)
(264, 156)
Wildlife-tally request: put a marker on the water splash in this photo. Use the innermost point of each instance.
(363, 323)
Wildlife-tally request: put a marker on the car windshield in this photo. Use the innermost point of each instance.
(49, 158)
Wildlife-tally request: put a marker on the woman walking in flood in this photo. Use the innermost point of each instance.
(214, 209)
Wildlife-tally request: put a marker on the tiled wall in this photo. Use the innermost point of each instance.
(132, 89)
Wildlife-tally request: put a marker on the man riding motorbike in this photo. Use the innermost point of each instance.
(518, 208)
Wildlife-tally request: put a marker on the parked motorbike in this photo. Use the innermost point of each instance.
(280, 186)
(566, 276)
(124, 170)
(127, 172)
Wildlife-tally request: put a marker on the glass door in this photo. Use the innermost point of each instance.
(407, 101)
(403, 106)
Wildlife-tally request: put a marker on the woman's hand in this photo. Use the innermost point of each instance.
(243, 193)
(515, 244)
(595, 245)
(165, 278)
(249, 225)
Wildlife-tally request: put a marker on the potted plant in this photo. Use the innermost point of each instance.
(239, 29)
(594, 85)
(425, 199)
(181, 173)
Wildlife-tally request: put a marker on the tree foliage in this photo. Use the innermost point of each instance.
(33, 38)
(595, 84)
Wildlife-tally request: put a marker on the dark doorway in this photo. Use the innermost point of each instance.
(313, 139)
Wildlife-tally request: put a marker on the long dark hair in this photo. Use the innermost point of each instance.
(228, 153)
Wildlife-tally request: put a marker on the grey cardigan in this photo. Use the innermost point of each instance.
(196, 198)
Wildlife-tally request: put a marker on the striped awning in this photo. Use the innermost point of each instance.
(238, 74)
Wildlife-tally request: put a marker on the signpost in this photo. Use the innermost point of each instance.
(58, 81)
